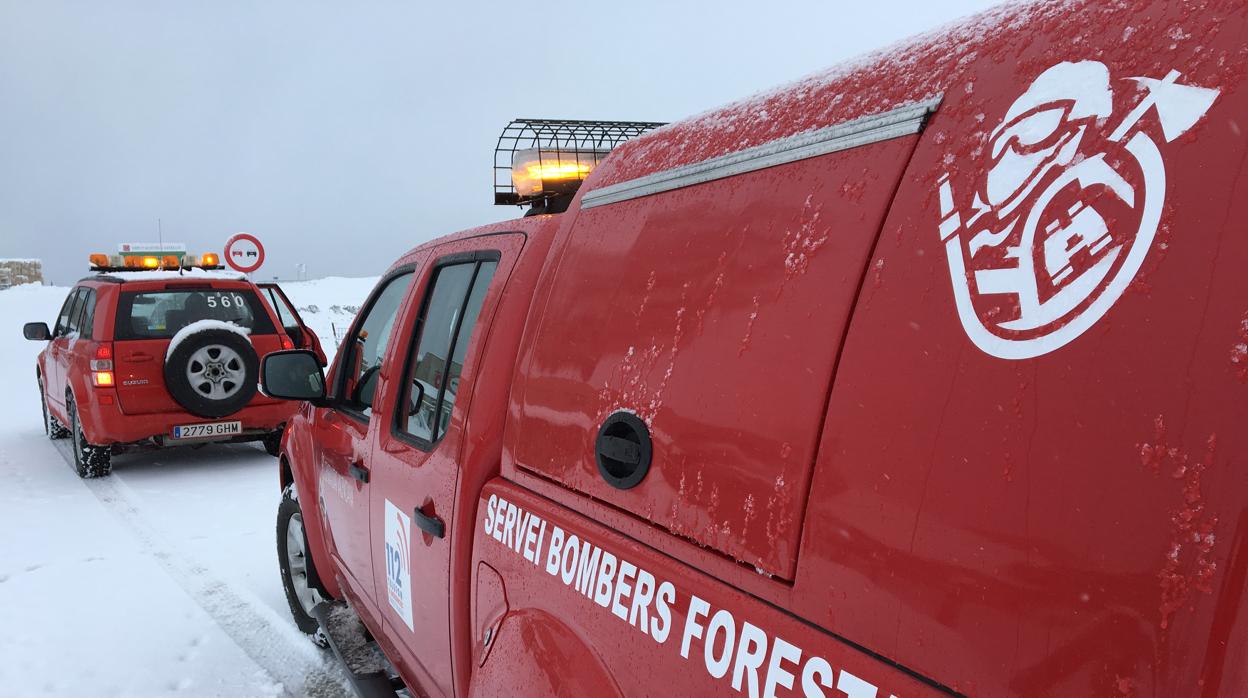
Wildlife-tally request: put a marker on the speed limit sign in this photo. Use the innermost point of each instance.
(244, 253)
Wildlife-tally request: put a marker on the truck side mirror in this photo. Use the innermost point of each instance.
(293, 375)
(37, 331)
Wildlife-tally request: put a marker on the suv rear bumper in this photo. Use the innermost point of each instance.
(106, 424)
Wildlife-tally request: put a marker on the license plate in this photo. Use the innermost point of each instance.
(207, 431)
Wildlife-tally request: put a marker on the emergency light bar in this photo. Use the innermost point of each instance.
(153, 262)
(537, 160)
(535, 172)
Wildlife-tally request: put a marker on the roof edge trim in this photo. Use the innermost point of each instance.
(905, 120)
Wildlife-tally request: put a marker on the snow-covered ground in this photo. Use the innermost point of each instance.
(160, 579)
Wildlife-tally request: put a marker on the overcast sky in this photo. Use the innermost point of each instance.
(342, 134)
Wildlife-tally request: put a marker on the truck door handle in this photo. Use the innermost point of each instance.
(139, 356)
(430, 524)
(359, 472)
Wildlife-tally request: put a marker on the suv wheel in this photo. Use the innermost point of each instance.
(296, 565)
(89, 460)
(51, 425)
(213, 373)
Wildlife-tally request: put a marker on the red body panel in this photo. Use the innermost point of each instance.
(340, 442)
(872, 441)
(696, 335)
(631, 631)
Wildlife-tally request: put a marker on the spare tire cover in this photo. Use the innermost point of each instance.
(213, 373)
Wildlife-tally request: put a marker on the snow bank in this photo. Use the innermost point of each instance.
(18, 306)
(203, 326)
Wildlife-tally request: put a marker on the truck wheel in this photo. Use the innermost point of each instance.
(89, 460)
(296, 565)
(213, 373)
(51, 425)
(273, 443)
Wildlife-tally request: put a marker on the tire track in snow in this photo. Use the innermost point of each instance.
(290, 660)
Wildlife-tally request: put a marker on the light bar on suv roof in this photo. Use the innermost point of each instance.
(147, 262)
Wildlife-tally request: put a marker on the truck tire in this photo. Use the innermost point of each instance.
(296, 566)
(51, 425)
(213, 373)
(89, 460)
(273, 443)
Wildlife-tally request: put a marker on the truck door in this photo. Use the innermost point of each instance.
(343, 437)
(416, 459)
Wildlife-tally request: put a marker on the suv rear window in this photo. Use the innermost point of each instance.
(160, 314)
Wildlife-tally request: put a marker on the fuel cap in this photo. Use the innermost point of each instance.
(623, 450)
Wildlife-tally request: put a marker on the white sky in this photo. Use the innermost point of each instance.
(342, 134)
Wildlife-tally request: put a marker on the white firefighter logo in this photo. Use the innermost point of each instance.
(1068, 209)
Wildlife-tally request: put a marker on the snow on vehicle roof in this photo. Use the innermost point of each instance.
(203, 326)
(184, 274)
(914, 70)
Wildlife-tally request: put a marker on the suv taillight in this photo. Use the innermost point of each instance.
(102, 366)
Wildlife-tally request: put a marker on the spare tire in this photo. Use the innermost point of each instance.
(212, 373)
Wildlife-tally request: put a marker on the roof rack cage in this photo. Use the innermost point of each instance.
(561, 139)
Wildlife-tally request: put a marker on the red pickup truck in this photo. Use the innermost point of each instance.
(925, 376)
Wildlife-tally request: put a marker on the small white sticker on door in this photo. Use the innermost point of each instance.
(398, 562)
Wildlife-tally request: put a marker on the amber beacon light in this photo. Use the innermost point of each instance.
(542, 162)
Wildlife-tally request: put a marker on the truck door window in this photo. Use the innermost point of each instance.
(445, 329)
(366, 346)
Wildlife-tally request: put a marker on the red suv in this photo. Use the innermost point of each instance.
(142, 360)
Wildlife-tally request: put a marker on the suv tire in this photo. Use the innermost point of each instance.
(213, 373)
(89, 460)
(299, 579)
(51, 425)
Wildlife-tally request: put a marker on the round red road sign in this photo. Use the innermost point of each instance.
(244, 253)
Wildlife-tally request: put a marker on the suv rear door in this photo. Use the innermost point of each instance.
(416, 459)
(148, 315)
